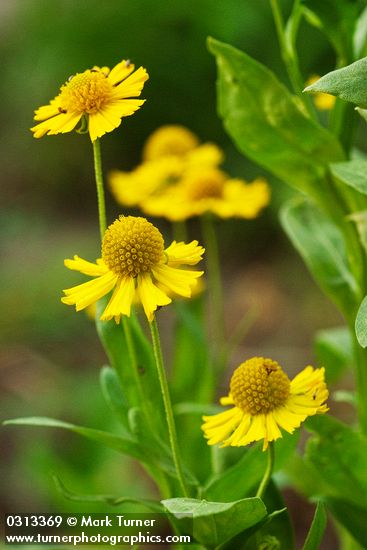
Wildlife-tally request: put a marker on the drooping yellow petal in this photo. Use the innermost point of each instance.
(87, 293)
(184, 254)
(88, 268)
(235, 439)
(121, 300)
(59, 124)
(150, 295)
(179, 281)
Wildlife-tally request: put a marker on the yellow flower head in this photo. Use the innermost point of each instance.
(169, 140)
(323, 101)
(265, 400)
(101, 95)
(137, 266)
(209, 190)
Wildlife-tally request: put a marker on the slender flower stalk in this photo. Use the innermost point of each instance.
(100, 187)
(268, 472)
(167, 405)
(215, 280)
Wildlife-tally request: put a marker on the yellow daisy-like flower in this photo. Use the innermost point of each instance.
(209, 190)
(265, 400)
(101, 95)
(137, 266)
(169, 140)
(323, 102)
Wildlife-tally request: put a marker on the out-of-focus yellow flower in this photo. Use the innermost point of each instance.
(137, 266)
(169, 140)
(265, 400)
(209, 190)
(323, 102)
(169, 154)
(101, 95)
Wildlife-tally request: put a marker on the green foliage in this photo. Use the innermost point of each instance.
(322, 247)
(340, 456)
(361, 324)
(214, 523)
(337, 19)
(352, 172)
(111, 389)
(316, 532)
(334, 351)
(113, 339)
(242, 478)
(268, 124)
(348, 83)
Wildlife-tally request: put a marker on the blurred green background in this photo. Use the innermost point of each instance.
(50, 356)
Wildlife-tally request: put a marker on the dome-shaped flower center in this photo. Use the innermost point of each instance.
(132, 245)
(259, 385)
(85, 92)
(205, 185)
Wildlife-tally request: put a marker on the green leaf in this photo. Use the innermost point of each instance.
(337, 18)
(339, 454)
(351, 516)
(112, 392)
(113, 339)
(193, 374)
(316, 533)
(214, 523)
(361, 324)
(352, 173)
(267, 123)
(348, 83)
(106, 499)
(118, 443)
(322, 247)
(240, 479)
(334, 351)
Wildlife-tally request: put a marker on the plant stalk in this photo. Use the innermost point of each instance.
(167, 405)
(268, 472)
(100, 187)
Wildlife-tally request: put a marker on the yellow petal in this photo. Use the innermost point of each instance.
(87, 293)
(88, 268)
(184, 254)
(150, 295)
(120, 303)
(120, 72)
(179, 281)
(132, 85)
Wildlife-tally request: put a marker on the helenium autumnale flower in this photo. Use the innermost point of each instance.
(137, 266)
(101, 95)
(265, 400)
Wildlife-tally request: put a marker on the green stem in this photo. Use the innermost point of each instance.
(269, 470)
(167, 405)
(180, 231)
(100, 188)
(289, 55)
(214, 279)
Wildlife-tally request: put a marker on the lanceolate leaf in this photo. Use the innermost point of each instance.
(316, 533)
(361, 324)
(334, 351)
(322, 247)
(267, 123)
(352, 173)
(214, 523)
(348, 83)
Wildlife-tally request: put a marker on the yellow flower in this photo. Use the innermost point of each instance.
(169, 140)
(265, 400)
(137, 266)
(101, 95)
(323, 102)
(132, 188)
(209, 190)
